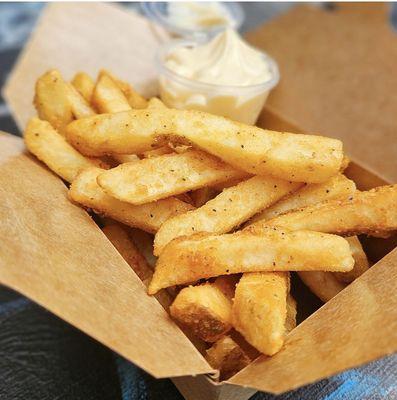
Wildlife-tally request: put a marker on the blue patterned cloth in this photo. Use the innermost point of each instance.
(44, 358)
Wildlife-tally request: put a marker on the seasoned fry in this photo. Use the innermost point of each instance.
(290, 322)
(227, 356)
(338, 187)
(108, 97)
(148, 217)
(374, 211)
(294, 157)
(259, 310)
(80, 107)
(135, 100)
(52, 149)
(361, 263)
(323, 284)
(164, 176)
(84, 84)
(200, 256)
(204, 310)
(228, 210)
(51, 100)
(127, 249)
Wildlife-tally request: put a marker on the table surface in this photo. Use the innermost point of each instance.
(42, 357)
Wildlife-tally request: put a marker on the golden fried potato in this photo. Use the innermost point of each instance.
(51, 100)
(290, 322)
(364, 212)
(226, 211)
(108, 97)
(148, 217)
(52, 149)
(155, 102)
(164, 176)
(121, 240)
(259, 310)
(135, 100)
(84, 84)
(361, 263)
(338, 187)
(227, 356)
(204, 310)
(80, 107)
(323, 284)
(294, 157)
(200, 256)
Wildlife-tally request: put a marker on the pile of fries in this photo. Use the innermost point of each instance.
(233, 208)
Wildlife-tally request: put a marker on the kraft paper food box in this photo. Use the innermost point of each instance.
(54, 253)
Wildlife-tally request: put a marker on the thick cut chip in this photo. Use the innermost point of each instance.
(52, 149)
(294, 157)
(51, 100)
(371, 212)
(164, 176)
(148, 217)
(108, 97)
(260, 310)
(226, 211)
(227, 356)
(200, 256)
(338, 187)
(205, 310)
(80, 107)
(125, 246)
(323, 284)
(84, 84)
(361, 263)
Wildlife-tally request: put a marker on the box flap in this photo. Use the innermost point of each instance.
(53, 252)
(338, 78)
(357, 326)
(86, 37)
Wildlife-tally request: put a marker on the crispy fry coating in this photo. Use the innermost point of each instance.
(84, 84)
(294, 157)
(52, 149)
(227, 356)
(164, 176)
(205, 310)
(226, 211)
(365, 212)
(338, 187)
(108, 97)
(200, 256)
(259, 310)
(323, 284)
(148, 217)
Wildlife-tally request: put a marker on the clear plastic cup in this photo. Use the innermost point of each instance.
(239, 103)
(159, 12)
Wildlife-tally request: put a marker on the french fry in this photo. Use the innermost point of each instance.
(84, 84)
(164, 176)
(51, 100)
(148, 217)
(80, 107)
(338, 187)
(294, 157)
(127, 249)
(227, 356)
(361, 263)
(371, 212)
(135, 100)
(259, 310)
(155, 102)
(226, 211)
(290, 322)
(186, 260)
(205, 310)
(108, 97)
(323, 284)
(52, 149)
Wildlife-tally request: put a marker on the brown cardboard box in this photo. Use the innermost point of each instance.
(53, 252)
